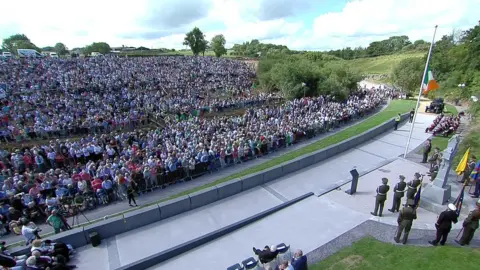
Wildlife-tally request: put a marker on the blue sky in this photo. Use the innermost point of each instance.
(300, 24)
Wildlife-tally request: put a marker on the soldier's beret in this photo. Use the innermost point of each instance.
(417, 174)
(402, 177)
(384, 180)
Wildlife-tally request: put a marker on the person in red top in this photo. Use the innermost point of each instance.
(85, 176)
(76, 177)
(97, 184)
(28, 160)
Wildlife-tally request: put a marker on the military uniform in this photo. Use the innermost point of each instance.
(381, 197)
(412, 187)
(405, 221)
(470, 225)
(398, 193)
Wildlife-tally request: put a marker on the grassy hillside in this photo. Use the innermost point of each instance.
(381, 65)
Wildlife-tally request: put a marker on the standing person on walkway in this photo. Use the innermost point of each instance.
(381, 197)
(426, 150)
(412, 114)
(444, 224)
(470, 225)
(397, 121)
(398, 193)
(131, 194)
(405, 221)
(434, 157)
(474, 176)
(413, 186)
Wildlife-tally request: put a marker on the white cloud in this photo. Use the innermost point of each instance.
(162, 23)
(363, 21)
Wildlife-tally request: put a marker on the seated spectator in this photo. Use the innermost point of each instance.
(266, 255)
(299, 261)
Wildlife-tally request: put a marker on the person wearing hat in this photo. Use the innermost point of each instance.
(381, 197)
(413, 185)
(398, 193)
(444, 224)
(405, 221)
(470, 225)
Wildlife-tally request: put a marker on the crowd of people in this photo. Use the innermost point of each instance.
(44, 254)
(444, 125)
(49, 181)
(52, 96)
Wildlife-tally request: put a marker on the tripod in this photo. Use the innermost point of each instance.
(77, 211)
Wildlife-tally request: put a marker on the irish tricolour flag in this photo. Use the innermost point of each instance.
(429, 83)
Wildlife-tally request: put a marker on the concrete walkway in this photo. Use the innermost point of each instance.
(309, 224)
(157, 195)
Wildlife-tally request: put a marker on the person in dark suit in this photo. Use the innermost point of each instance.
(412, 114)
(381, 197)
(299, 261)
(426, 150)
(444, 224)
(267, 254)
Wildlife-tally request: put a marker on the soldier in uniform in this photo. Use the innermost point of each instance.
(470, 225)
(434, 158)
(381, 197)
(398, 193)
(412, 186)
(405, 221)
(444, 224)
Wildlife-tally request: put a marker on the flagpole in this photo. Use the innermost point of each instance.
(420, 92)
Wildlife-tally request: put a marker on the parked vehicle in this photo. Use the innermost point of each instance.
(436, 106)
(7, 55)
(28, 53)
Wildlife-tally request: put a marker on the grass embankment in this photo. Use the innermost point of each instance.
(381, 64)
(395, 107)
(369, 253)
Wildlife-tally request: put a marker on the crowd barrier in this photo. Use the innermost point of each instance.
(120, 224)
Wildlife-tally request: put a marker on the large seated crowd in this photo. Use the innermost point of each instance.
(444, 125)
(55, 178)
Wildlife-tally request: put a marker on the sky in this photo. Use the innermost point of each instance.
(300, 24)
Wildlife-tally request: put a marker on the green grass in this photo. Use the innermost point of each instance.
(381, 64)
(369, 253)
(395, 107)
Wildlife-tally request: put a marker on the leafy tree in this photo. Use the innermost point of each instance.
(48, 49)
(101, 47)
(218, 45)
(256, 49)
(61, 49)
(408, 74)
(17, 41)
(195, 39)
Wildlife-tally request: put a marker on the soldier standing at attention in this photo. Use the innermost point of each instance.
(398, 193)
(381, 197)
(397, 121)
(405, 221)
(470, 225)
(412, 186)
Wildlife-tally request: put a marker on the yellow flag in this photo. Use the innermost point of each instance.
(463, 163)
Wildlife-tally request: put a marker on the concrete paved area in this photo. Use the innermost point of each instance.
(307, 225)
